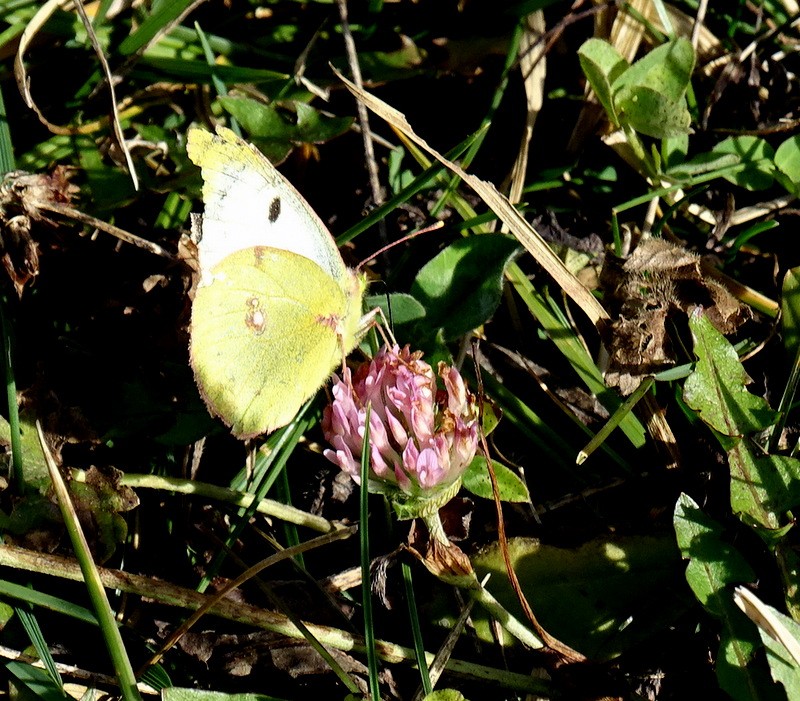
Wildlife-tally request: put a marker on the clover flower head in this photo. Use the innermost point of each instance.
(422, 438)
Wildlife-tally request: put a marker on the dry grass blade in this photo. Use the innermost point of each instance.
(762, 616)
(534, 69)
(446, 650)
(499, 204)
(23, 81)
(211, 601)
(121, 234)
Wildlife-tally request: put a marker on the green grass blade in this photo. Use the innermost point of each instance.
(6, 147)
(17, 474)
(165, 14)
(573, 350)
(46, 601)
(366, 588)
(622, 411)
(34, 631)
(265, 471)
(36, 682)
(416, 629)
(91, 577)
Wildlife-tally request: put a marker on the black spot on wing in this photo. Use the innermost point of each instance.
(274, 210)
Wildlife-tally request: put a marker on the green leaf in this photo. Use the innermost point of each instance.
(782, 666)
(763, 487)
(46, 601)
(651, 113)
(650, 95)
(275, 132)
(757, 156)
(716, 387)
(738, 673)
(602, 64)
(461, 287)
(714, 565)
(313, 127)
(402, 312)
(666, 70)
(787, 160)
(674, 150)
(510, 486)
(601, 598)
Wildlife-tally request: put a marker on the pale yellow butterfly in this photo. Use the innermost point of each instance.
(276, 309)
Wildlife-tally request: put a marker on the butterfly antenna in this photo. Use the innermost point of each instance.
(407, 237)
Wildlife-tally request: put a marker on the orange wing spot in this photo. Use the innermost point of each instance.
(254, 318)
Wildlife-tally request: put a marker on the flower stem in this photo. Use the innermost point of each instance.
(434, 523)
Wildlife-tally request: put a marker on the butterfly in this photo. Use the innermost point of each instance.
(276, 309)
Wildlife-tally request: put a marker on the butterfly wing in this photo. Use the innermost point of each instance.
(249, 203)
(267, 331)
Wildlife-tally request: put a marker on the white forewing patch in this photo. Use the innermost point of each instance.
(247, 206)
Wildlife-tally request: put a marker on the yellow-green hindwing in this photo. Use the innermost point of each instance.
(269, 323)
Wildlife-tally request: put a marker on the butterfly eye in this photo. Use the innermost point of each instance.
(274, 210)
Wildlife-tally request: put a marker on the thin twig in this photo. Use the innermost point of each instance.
(363, 115)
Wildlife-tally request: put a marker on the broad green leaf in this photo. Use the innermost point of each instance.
(384, 66)
(648, 111)
(739, 674)
(276, 131)
(650, 95)
(757, 156)
(460, 288)
(666, 70)
(260, 120)
(787, 160)
(400, 309)
(313, 127)
(716, 388)
(763, 487)
(601, 598)
(34, 466)
(713, 566)
(790, 311)
(602, 64)
(510, 486)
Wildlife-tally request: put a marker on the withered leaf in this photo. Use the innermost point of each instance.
(660, 282)
(23, 199)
